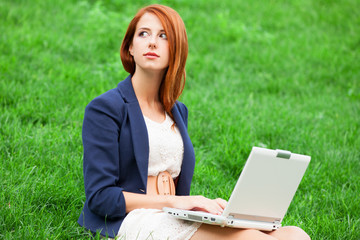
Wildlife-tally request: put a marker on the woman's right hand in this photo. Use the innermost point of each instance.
(199, 203)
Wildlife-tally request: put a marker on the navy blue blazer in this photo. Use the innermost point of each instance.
(116, 153)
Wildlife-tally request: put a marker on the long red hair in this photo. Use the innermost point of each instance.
(174, 79)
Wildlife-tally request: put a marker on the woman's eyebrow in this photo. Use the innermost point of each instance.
(144, 28)
(148, 29)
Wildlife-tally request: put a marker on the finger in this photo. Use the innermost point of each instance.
(221, 202)
(209, 205)
(216, 207)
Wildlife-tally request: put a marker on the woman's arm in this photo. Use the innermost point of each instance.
(198, 203)
(101, 157)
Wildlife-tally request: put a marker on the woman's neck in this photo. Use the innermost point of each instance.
(146, 85)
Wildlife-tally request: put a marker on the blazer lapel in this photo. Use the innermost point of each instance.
(182, 128)
(141, 141)
(188, 163)
(138, 128)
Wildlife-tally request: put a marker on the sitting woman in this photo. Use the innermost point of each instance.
(138, 157)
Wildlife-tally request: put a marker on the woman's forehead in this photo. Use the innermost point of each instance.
(149, 21)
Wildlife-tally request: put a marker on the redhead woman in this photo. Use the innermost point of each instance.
(138, 157)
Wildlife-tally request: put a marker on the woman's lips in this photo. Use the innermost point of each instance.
(151, 55)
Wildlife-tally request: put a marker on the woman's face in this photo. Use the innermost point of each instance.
(150, 47)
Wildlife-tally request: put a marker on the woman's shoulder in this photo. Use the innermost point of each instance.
(110, 103)
(181, 107)
(111, 98)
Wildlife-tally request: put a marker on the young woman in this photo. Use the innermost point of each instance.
(138, 157)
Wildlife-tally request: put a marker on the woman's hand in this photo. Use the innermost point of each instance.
(199, 203)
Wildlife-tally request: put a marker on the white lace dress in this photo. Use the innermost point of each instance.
(166, 151)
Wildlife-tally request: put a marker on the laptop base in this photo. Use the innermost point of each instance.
(222, 221)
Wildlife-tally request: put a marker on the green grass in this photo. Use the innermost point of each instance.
(277, 74)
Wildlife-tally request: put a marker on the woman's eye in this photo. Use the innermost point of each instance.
(163, 35)
(143, 34)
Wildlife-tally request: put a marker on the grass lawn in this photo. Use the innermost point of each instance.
(275, 74)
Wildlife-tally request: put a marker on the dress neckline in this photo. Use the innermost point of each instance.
(158, 123)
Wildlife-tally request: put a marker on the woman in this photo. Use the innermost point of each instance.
(136, 134)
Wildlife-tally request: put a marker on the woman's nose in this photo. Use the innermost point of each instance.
(152, 42)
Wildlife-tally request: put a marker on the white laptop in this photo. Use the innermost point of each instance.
(262, 194)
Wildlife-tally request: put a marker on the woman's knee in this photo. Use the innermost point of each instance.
(254, 234)
(214, 232)
(290, 233)
(297, 232)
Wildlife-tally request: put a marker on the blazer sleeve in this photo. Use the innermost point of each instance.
(100, 133)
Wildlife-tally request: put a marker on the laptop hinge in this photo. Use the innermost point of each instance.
(283, 154)
(255, 218)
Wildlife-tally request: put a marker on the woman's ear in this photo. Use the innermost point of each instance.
(131, 50)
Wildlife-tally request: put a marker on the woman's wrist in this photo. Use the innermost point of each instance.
(169, 201)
